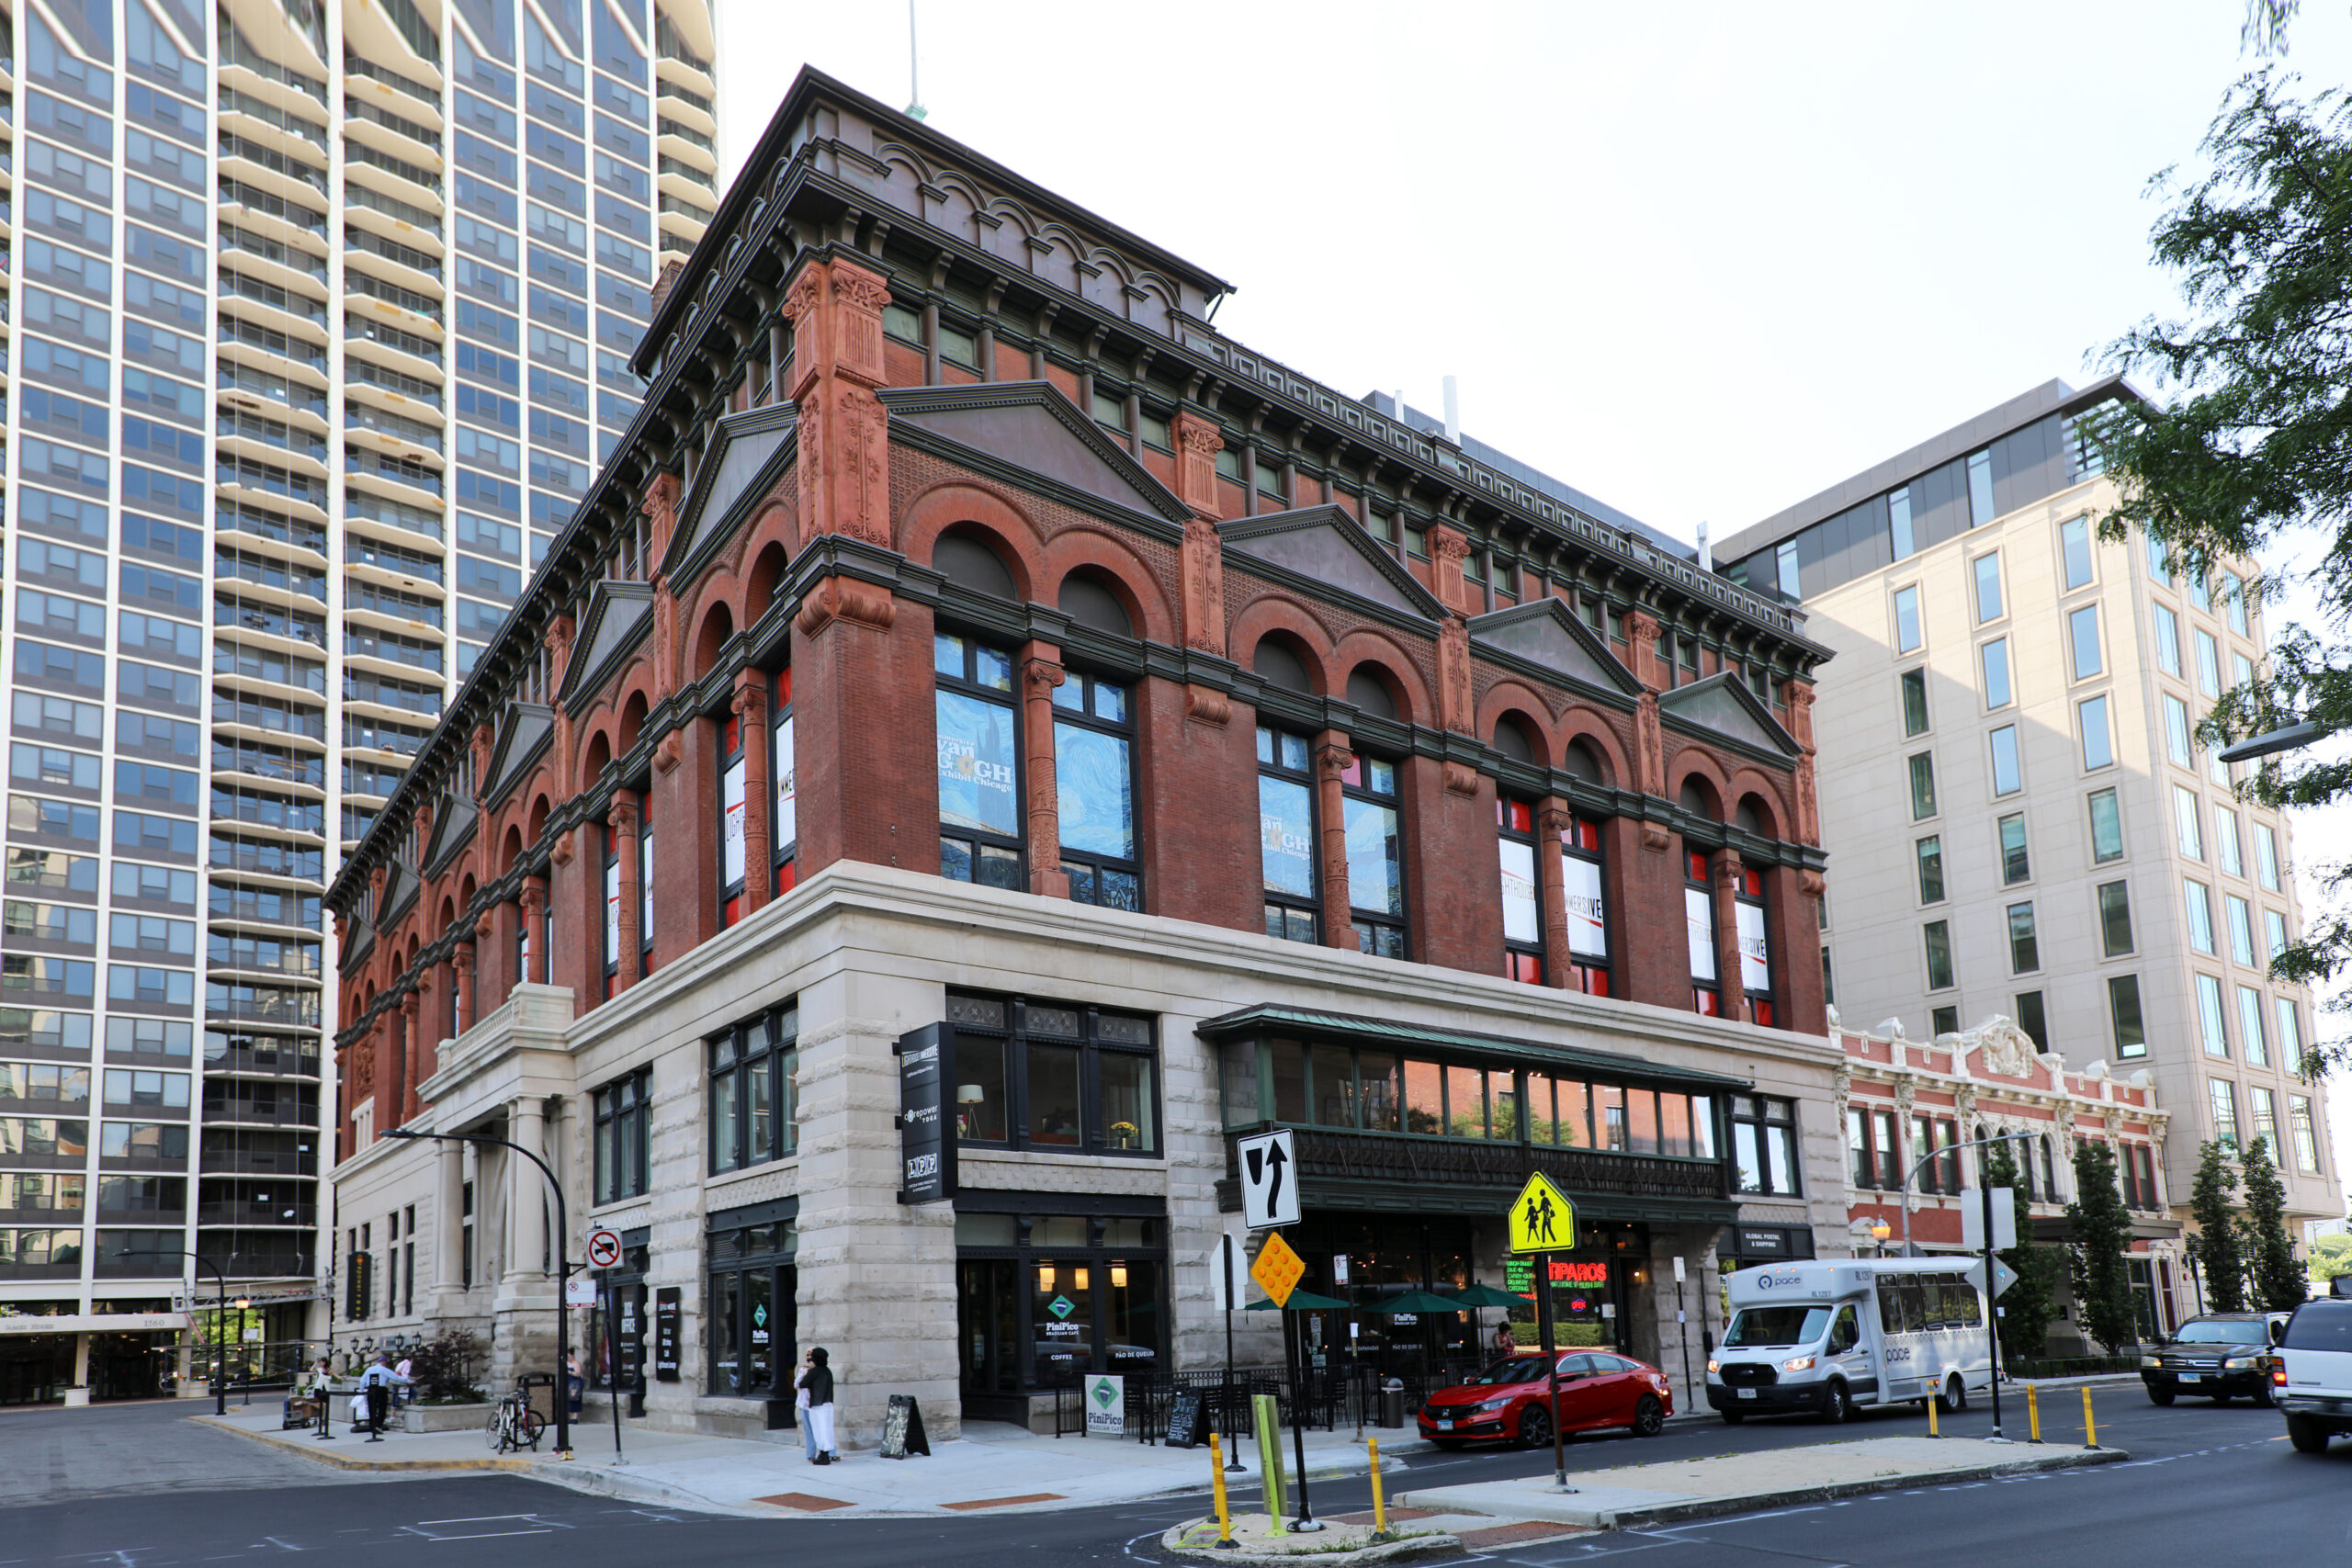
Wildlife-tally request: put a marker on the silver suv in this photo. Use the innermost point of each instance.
(2312, 1374)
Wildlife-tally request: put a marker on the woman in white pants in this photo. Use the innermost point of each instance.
(816, 1385)
(800, 1406)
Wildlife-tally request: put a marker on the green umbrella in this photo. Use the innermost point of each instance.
(1303, 1300)
(1476, 1296)
(1416, 1302)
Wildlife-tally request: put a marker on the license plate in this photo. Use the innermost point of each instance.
(2192, 1377)
(1747, 1393)
(1445, 1426)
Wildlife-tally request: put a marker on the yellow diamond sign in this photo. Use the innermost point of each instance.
(1542, 1218)
(1278, 1269)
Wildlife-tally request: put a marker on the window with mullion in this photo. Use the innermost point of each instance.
(1287, 835)
(645, 877)
(1755, 945)
(1580, 891)
(1094, 788)
(1698, 922)
(1764, 1145)
(1376, 856)
(783, 840)
(980, 789)
(612, 920)
(1045, 1076)
(731, 820)
(624, 1121)
(1522, 890)
(754, 1104)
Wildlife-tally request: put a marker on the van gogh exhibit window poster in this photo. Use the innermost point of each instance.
(1588, 924)
(976, 766)
(1286, 837)
(1094, 787)
(1755, 954)
(1522, 910)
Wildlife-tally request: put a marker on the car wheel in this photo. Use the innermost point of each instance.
(1837, 1406)
(1734, 1417)
(1534, 1426)
(1649, 1417)
(1953, 1398)
(2160, 1395)
(2308, 1435)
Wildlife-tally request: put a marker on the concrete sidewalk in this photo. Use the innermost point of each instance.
(994, 1469)
(1630, 1497)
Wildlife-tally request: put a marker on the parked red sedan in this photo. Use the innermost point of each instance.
(1508, 1401)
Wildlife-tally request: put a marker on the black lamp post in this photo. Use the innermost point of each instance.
(563, 1272)
(220, 1315)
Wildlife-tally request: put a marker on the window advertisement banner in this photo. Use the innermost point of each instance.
(1588, 923)
(1754, 956)
(731, 800)
(644, 884)
(1093, 783)
(1375, 857)
(976, 751)
(1286, 837)
(1522, 912)
(788, 803)
(1699, 916)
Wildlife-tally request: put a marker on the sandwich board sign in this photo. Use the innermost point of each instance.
(1269, 1179)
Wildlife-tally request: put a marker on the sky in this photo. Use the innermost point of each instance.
(1699, 261)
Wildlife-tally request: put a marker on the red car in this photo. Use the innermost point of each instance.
(1508, 1401)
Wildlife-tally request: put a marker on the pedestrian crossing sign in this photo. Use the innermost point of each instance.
(1542, 1219)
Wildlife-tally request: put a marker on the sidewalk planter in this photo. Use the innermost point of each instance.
(446, 1418)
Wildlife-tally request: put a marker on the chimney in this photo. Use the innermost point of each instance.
(1706, 553)
(1400, 409)
(662, 285)
(1452, 413)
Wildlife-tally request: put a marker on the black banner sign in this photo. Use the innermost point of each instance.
(666, 1310)
(926, 1104)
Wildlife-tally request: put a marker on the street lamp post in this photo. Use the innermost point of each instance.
(1990, 1331)
(219, 1314)
(562, 1386)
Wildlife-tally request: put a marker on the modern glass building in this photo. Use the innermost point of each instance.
(317, 323)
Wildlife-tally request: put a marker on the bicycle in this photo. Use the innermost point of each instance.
(513, 1423)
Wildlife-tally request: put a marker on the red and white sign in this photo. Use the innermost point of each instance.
(603, 1249)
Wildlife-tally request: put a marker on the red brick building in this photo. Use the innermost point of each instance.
(968, 635)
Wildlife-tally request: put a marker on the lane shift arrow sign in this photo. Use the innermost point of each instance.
(1267, 1199)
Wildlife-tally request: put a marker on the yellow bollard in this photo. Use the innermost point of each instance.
(1931, 1417)
(1225, 1542)
(1379, 1502)
(2090, 1424)
(2032, 1414)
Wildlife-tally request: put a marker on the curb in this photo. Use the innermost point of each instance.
(335, 1461)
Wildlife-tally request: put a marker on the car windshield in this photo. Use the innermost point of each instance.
(1776, 1326)
(2210, 1332)
(2321, 1327)
(1511, 1368)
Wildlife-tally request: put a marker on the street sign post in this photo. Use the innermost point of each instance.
(1269, 1179)
(1542, 1221)
(1279, 1269)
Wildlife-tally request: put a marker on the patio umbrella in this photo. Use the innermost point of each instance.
(1475, 1297)
(1300, 1300)
(1420, 1304)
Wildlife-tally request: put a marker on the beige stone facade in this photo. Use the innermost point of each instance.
(869, 954)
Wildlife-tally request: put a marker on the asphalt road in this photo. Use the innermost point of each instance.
(2218, 1486)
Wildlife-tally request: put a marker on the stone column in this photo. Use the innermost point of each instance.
(527, 1190)
(1552, 819)
(534, 901)
(621, 821)
(1333, 758)
(449, 1220)
(1727, 870)
(412, 1052)
(751, 709)
(461, 964)
(1041, 672)
(776, 365)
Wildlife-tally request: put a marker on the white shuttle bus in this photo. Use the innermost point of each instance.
(1837, 1332)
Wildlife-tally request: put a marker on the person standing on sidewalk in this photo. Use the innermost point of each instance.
(406, 1391)
(800, 1406)
(377, 1382)
(817, 1387)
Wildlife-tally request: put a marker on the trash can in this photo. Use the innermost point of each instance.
(1392, 1404)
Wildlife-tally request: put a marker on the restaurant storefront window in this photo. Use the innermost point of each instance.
(752, 1324)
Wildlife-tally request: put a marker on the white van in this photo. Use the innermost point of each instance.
(1832, 1335)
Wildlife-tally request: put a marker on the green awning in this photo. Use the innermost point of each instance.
(1300, 1301)
(1339, 1027)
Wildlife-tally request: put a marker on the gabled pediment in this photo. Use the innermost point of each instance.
(1028, 431)
(1723, 704)
(529, 728)
(1545, 633)
(1330, 550)
(743, 447)
(453, 824)
(618, 615)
